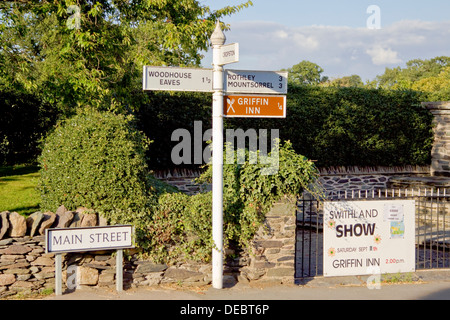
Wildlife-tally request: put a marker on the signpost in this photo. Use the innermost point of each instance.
(269, 106)
(363, 236)
(217, 41)
(62, 240)
(220, 82)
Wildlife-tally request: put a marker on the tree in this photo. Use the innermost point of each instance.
(429, 76)
(348, 81)
(436, 88)
(306, 73)
(91, 52)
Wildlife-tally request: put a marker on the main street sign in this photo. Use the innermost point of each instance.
(177, 79)
(247, 81)
(270, 106)
(60, 240)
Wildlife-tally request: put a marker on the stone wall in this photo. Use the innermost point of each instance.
(348, 179)
(272, 254)
(331, 179)
(26, 268)
(440, 153)
(183, 179)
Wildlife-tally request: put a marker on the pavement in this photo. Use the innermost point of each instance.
(258, 300)
(421, 285)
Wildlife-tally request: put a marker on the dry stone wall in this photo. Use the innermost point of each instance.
(26, 268)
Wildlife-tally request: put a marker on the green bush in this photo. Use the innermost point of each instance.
(97, 160)
(181, 225)
(180, 228)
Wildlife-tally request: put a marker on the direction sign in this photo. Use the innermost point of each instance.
(229, 53)
(271, 106)
(247, 81)
(177, 79)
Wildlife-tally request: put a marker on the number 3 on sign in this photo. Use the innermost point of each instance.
(280, 85)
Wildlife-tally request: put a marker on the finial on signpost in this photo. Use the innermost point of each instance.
(218, 37)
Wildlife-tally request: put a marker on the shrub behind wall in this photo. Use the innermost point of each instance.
(96, 160)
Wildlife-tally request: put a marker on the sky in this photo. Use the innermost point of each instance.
(344, 37)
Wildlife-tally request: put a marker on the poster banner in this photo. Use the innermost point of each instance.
(363, 236)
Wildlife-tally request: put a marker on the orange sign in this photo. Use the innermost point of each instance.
(272, 106)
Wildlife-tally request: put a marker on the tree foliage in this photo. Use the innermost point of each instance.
(306, 73)
(431, 77)
(24, 121)
(347, 81)
(91, 53)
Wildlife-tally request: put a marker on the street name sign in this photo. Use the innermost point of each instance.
(177, 79)
(60, 240)
(248, 81)
(269, 106)
(229, 53)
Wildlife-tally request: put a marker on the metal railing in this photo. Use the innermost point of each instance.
(432, 219)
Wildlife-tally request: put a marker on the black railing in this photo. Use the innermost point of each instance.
(432, 219)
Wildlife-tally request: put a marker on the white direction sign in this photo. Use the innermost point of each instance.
(248, 81)
(229, 53)
(177, 79)
(88, 239)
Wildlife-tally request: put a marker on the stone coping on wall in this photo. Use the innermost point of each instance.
(333, 170)
(436, 183)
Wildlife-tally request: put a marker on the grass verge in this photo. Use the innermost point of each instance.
(18, 189)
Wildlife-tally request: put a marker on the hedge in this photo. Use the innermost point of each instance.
(334, 126)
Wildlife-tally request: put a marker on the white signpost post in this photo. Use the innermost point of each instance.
(63, 240)
(237, 81)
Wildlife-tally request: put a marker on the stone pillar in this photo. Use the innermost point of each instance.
(272, 257)
(440, 153)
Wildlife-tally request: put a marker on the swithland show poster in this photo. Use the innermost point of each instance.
(367, 237)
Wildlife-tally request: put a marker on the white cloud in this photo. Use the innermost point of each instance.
(382, 56)
(338, 50)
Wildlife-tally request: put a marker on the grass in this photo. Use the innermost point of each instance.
(18, 189)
